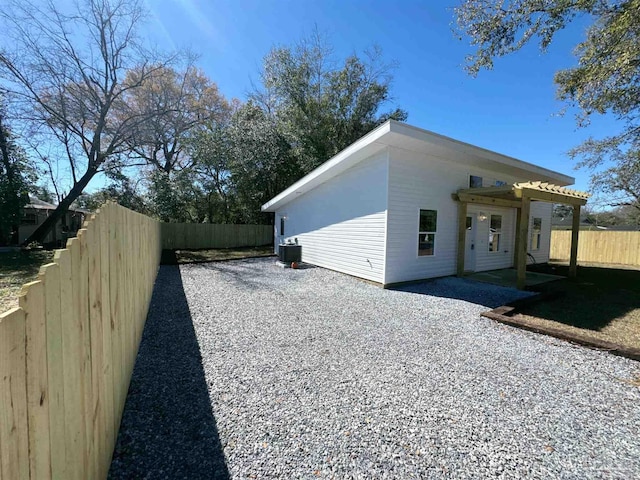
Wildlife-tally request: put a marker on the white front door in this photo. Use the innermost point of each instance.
(470, 244)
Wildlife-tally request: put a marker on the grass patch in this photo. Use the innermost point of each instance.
(216, 255)
(16, 269)
(602, 303)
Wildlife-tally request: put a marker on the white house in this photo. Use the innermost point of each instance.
(403, 204)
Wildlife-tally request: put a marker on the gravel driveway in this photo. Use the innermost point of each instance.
(250, 371)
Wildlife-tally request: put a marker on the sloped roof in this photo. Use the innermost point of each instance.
(35, 202)
(408, 137)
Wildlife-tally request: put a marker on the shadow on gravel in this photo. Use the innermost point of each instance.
(484, 294)
(168, 429)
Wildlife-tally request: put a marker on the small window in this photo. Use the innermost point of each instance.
(500, 183)
(427, 232)
(475, 181)
(536, 233)
(281, 226)
(29, 219)
(469, 223)
(495, 232)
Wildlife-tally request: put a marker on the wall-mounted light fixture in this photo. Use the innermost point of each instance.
(482, 216)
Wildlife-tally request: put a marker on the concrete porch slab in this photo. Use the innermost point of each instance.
(507, 277)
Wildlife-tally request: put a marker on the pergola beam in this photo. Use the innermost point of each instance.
(498, 202)
(503, 190)
(520, 196)
(554, 197)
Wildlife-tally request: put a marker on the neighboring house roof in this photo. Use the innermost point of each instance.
(568, 221)
(36, 204)
(402, 135)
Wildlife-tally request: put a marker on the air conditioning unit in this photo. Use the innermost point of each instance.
(290, 253)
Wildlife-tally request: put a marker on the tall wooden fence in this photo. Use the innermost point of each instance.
(67, 352)
(598, 247)
(203, 235)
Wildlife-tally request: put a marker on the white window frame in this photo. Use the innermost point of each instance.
(476, 176)
(424, 232)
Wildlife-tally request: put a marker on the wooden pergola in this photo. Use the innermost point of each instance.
(520, 196)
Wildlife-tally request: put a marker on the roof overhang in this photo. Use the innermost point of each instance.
(407, 137)
(512, 195)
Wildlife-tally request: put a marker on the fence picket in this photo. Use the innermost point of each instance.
(68, 352)
(50, 277)
(31, 300)
(73, 412)
(14, 439)
(177, 236)
(598, 247)
(103, 221)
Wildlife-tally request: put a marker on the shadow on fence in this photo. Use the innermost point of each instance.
(168, 429)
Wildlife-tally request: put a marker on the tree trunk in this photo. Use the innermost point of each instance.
(45, 227)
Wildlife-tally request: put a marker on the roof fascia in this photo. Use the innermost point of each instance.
(448, 142)
(328, 169)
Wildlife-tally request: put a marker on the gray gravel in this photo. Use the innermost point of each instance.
(314, 374)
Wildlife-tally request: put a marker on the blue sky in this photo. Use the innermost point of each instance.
(511, 109)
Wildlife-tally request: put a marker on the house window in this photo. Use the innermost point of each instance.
(475, 181)
(500, 183)
(536, 233)
(427, 232)
(495, 232)
(29, 219)
(281, 226)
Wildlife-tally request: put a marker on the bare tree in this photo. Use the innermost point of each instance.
(185, 101)
(65, 72)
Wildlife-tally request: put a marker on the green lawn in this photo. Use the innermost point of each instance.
(601, 303)
(16, 269)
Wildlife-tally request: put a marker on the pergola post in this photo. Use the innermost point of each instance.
(522, 236)
(575, 229)
(516, 250)
(462, 236)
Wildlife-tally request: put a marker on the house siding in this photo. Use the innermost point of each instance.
(341, 224)
(486, 260)
(544, 211)
(419, 181)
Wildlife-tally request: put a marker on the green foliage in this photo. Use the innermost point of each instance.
(605, 80)
(16, 176)
(305, 111)
(210, 151)
(262, 162)
(175, 197)
(121, 191)
(321, 108)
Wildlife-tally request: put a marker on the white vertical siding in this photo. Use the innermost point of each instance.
(341, 224)
(415, 183)
(419, 181)
(544, 211)
(486, 260)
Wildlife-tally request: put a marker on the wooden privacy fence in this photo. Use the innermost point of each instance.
(598, 246)
(67, 352)
(206, 235)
